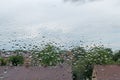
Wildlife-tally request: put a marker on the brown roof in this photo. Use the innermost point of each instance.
(107, 72)
(36, 73)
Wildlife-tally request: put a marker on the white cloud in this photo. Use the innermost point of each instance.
(96, 21)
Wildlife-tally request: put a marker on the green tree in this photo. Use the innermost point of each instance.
(16, 60)
(78, 52)
(116, 56)
(3, 62)
(99, 55)
(48, 56)
(95, 55)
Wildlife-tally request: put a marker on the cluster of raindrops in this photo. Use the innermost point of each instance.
(37, 43)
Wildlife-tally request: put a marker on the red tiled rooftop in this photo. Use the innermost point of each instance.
(107, 72)
(36, 73)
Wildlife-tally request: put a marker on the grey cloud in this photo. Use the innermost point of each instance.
(27, 18)
(80, 0)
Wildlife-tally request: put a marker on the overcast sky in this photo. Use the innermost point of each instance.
(96, 21)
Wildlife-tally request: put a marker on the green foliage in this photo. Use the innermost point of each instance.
(3, 62)
(78, 52)
(82, 59)
(99, 55)
(19, 50)
(35, 59)
(118, 61)
(48, 56)
(95, 55)
(16, 60)
(116, 56)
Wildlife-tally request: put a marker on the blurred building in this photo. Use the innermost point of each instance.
(62, 72)
(106, 72)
